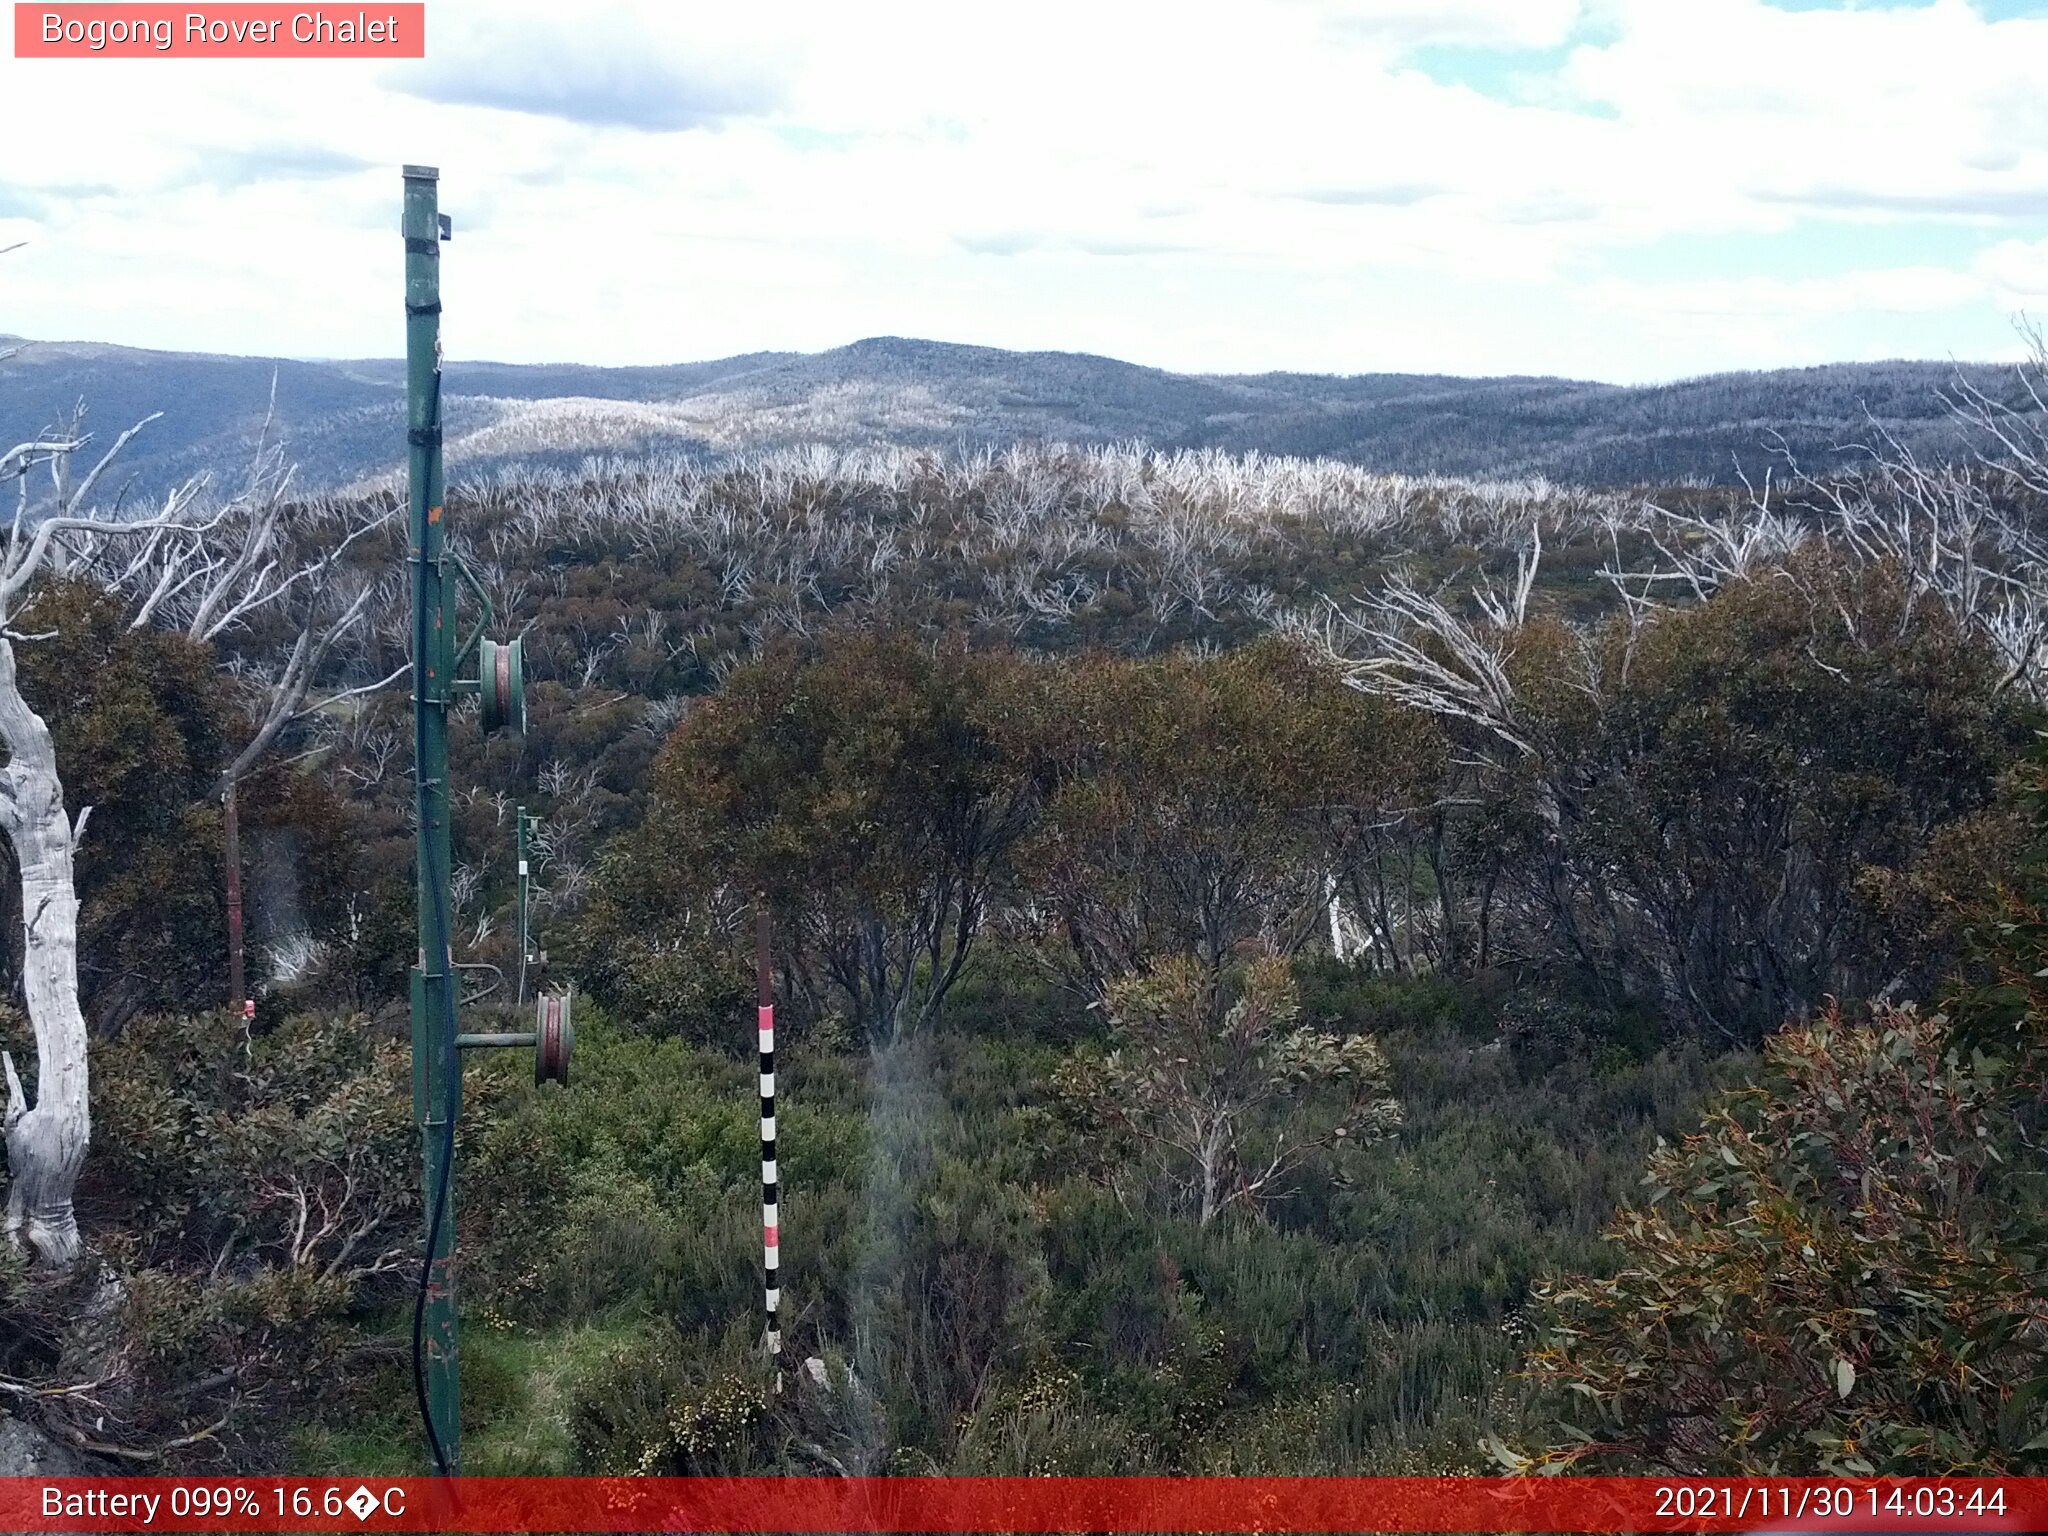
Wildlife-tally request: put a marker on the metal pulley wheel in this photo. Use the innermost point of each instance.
(554, 1039)
(502, 686)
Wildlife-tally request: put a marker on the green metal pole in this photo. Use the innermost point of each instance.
(525, 941)
(436, 1081)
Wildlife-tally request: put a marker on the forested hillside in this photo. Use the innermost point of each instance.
(1245, 928)
(342, 417)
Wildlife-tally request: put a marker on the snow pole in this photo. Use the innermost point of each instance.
(525, 824)
(771, 1220)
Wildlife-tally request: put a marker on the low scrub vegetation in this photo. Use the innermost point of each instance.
(1244, 930)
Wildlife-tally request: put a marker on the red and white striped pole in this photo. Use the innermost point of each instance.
(771, 1220)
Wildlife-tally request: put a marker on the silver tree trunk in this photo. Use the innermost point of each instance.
(46, 1144)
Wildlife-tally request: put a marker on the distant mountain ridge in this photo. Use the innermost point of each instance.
(342, 421)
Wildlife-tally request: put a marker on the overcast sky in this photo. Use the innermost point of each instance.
(1618, 189)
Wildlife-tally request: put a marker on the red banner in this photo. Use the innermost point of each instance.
(220, 31)
(1035, 1504)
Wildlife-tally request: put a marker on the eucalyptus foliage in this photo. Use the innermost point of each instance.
(1842, 1272)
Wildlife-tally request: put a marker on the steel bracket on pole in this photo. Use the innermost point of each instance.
(468, 647)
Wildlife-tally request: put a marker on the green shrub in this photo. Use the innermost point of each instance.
(659, 975)
(1213, 1097)
(665, 1404)
(1839, 1274)
(254, 1200)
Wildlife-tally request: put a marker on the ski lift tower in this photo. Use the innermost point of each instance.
(438, 573)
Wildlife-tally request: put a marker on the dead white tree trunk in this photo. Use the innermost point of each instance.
(47, 1139)
(45, 1144)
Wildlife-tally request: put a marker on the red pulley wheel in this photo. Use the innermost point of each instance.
(555, 1040)
(502, 685)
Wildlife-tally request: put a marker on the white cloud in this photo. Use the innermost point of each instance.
(608, 65)
(2018, 273)
(1891, 291)
(1897, 109)
(1403, 25)
(1273, 183)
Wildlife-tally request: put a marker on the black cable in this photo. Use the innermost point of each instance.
(448, 1109)
(421, 638)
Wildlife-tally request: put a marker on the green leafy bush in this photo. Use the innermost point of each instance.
(1214, 1092)
(871, 793)
(1841, 1273)
(1712, 792)
(253, 1197)
(660, 1404)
